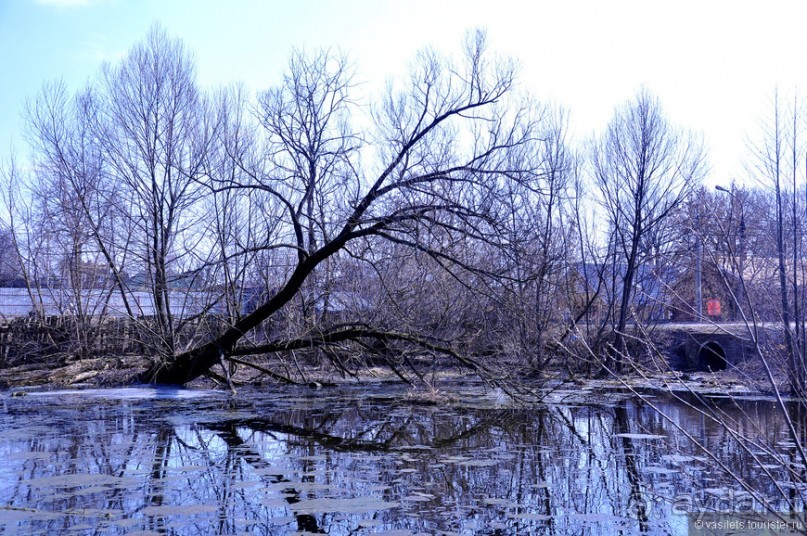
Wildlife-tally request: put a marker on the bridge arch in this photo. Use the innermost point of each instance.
(712, 357)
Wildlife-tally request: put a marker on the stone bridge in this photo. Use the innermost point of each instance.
(711, 346)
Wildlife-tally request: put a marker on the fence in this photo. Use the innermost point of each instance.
(17, 302)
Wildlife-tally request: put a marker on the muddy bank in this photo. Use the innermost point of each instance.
(61, 372)
(120, 371)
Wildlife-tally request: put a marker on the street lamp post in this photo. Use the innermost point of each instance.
(741, 232)
(698, 267)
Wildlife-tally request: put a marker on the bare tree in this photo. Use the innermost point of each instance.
(20, 222)
(155, 135)
(311, 149)
(559, 168)
(448, 143)
(233, 234)
(309, 140)
(644, 168)
(72, 198)
(777, 163)
(294, 220)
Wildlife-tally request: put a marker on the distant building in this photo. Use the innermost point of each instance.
(599, 286)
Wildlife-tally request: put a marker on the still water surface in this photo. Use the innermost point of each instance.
(368, 459)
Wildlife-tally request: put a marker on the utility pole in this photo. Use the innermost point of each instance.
(698, 272)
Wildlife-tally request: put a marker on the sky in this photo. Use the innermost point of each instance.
(714, 64)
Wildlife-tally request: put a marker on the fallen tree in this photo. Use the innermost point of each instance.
(457, 143)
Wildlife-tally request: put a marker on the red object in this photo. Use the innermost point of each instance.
(713, 307)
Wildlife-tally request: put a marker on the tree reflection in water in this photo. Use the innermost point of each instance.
(360, 459)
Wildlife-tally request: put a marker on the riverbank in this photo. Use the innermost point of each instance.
(747, 380)
(61, 372)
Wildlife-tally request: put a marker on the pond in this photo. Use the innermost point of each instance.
(372, 459)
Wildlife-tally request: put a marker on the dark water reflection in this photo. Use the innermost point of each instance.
(364, 460)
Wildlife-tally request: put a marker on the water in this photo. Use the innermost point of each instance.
(370, 459)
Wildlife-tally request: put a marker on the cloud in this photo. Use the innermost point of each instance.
(64, 4)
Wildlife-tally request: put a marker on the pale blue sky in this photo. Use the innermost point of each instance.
(713, 63)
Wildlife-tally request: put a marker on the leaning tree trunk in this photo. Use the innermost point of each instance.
(189, 365)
